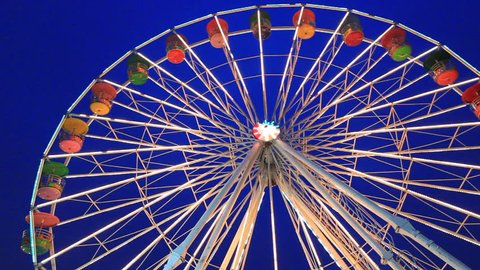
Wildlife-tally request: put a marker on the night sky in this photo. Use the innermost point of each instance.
(51, 50)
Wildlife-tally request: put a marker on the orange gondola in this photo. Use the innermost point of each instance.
(215, 31)
(103, 94)
(306, 25)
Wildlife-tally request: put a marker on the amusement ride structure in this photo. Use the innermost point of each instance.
(321, 134)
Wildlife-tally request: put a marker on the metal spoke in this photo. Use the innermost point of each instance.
(403, 226)
(175, 164)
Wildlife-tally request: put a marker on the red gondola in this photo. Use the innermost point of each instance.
(352, 31)
(176, 48)
(472, 96)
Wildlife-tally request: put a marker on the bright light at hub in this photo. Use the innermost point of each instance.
(266, 131)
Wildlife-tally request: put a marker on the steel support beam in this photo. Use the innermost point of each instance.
(401, 225)
(178, 254)
(386, 256)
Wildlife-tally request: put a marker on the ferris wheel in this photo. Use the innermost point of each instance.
(267, 135)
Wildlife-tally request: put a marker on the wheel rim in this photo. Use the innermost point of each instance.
(206, 125)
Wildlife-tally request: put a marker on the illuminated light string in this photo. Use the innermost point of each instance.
(266, 131)
(195, 118)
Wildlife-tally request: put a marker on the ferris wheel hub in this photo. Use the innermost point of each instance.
(266, 131)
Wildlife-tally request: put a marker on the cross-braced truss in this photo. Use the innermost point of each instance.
(374, 159)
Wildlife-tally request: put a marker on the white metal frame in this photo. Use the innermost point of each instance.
(330, 130)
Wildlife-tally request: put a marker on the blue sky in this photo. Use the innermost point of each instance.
(51, 50)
